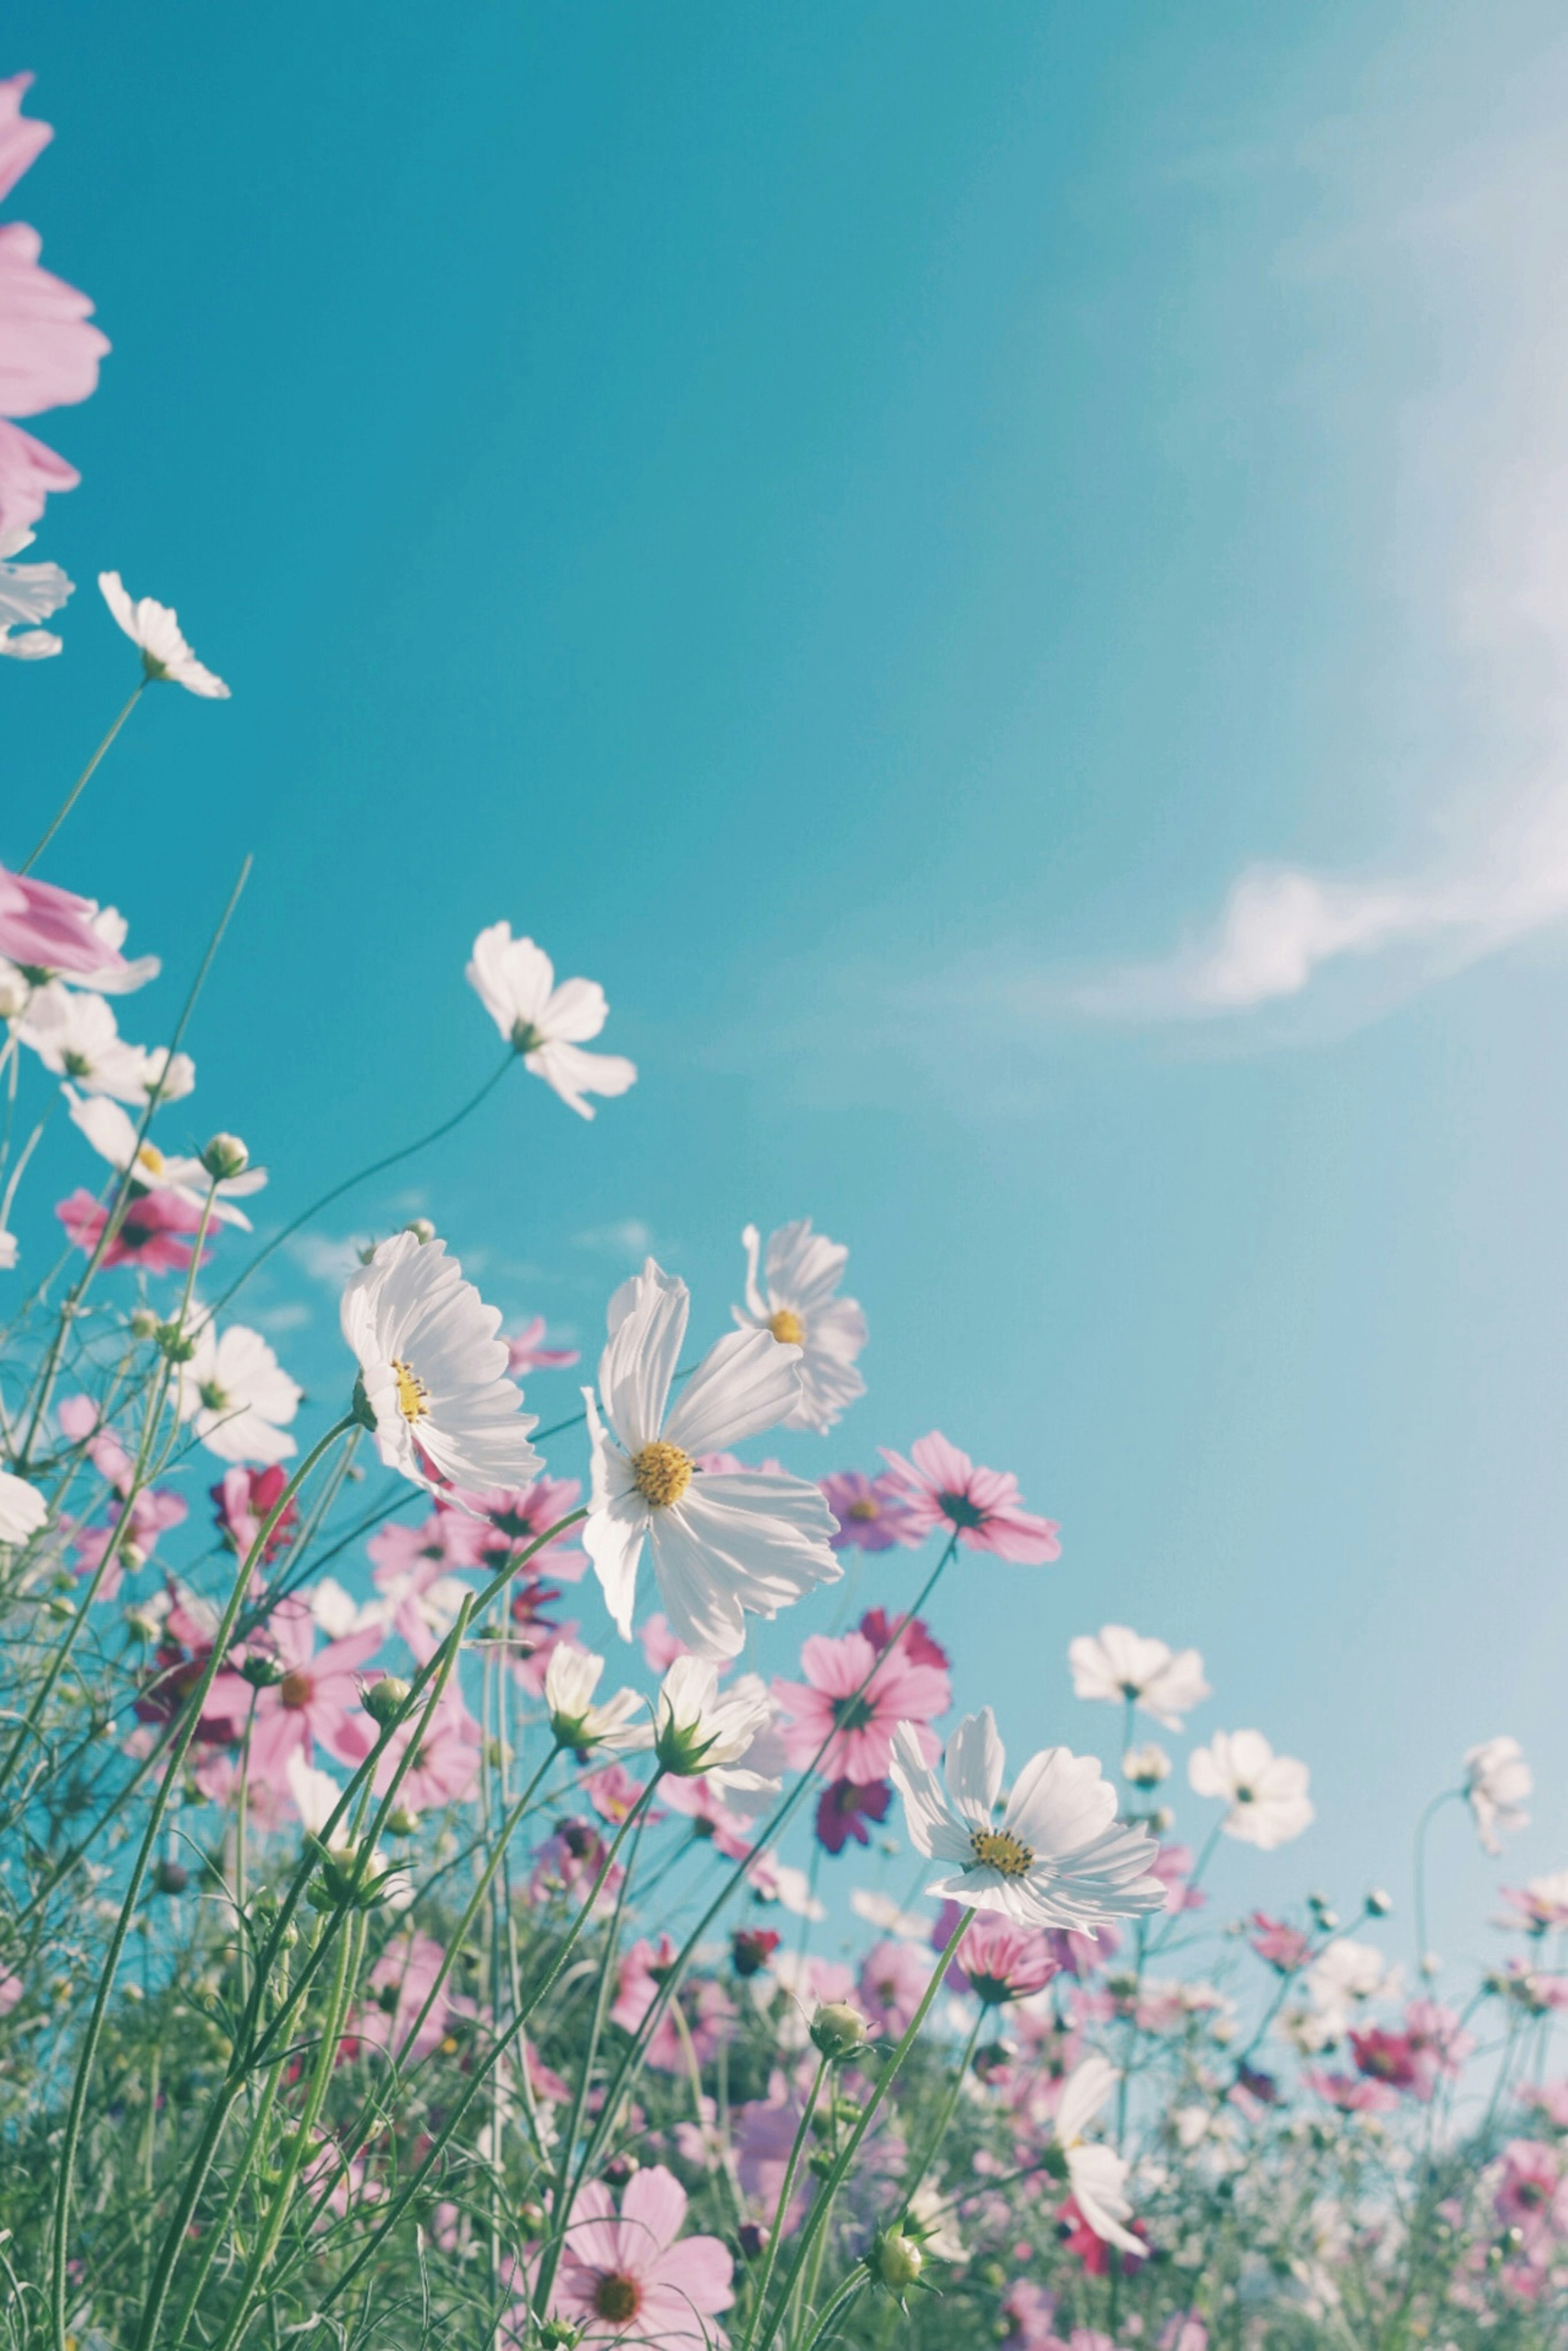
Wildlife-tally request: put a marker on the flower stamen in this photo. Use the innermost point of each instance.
(999, 1849)
(788, 1328)
(413, 1396)
(662, 1473)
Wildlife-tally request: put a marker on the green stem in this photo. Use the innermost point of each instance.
(853, 2287)
(177, 1756)
(1418, 1871)
(783, 2207)
(949, 2103)
(85, 778)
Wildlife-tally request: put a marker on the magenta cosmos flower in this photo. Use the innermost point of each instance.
(845, 1809)
(634, 2278)
(527, 1351)
(49, 353)
(872, 1513)
(854, 1703)
(156, 1232)
(942, 1487)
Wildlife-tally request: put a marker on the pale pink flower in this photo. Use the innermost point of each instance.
(764, 2130)
(220, 1773)
(526, 1351)
(635, 2279)
(1541, 1903)
(49, 930)
(400, 1983)
(707, 2010)
(943, 1488)
(613, 1793)
(893, 1981)
(316, 1699)
(661, 1647)
(855, 1704)
(1001, 1961)
(1533, 2195)
(729, 1832)
(49, 353)
(446, 1759)
(1350, 2095)
(872, 1513)
(153, 1510)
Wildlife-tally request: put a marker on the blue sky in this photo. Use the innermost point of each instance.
(995, 576)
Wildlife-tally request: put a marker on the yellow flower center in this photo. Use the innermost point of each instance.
(295, 1689)
(413, 1396)
(150, 1158)
(788, 1328)
(617, 2298)
(996, 1849)
(662, 1473)
(865, 1509)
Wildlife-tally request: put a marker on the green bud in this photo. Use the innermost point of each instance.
(1053, 2162)
(838, 2030)
(422, 1229)
(385, 1699)
(560, 2334)
(169, 1878)
(263, 1672)
(174, 1343)
(225, 1157)
(897, 2260)
(143, 1324)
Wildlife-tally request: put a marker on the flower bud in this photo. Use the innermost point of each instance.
(402, 1821)
(261, 1671)
(560, 2334)
(1146, 1767)
(175, 1344)
(838, 2030)
(897, 2260)
(225, 1157)
(1378, 1903)
(385, 1699)
(422, 1229)
(750, 1948)
(143, 1324)
(169, 1878)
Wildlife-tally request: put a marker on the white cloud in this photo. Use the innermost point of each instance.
(323, 1259)
(630, 1238)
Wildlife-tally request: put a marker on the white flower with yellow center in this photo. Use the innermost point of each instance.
(113, 1135)
(237, 1395)
(1124, 1668)
(1096, 2173)
(1058, 1856)
(548, 1025)
(702, 1731)
(77, 1035)
(23, 1509)
(433, 1370)
(154, 627)
(723, 1542)
(572, 1678)
(795, 1302)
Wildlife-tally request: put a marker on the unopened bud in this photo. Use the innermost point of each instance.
(1378, 1903)
(838, 2030)
(224, 1157)
(560, 2334)
(143, 1324)
(261, 1671)
(385, 1699)
(897, 2260)
(1146, 1767)
(402, 1821)
(177, 1344)
(169, 1878)
(422, 1229)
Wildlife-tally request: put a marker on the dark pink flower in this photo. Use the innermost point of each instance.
(1282, 1946)
(854, 1702)
(525, 1350)
(910, 1634)
(893, 1981)
(1388, 2057)
(844, 1809)
(635, 2279)
(872, 1513)
(1351, 2095)
(244, 1500)
(944, 1488)
(1002, 1961)
(155, 1232)
(751, 1947)
(49, 353)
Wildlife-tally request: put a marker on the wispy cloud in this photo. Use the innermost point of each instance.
(631, 1238)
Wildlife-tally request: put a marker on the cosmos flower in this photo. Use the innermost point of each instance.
(1059, 1857)
(237, 1395)
(841, 1718)
(722, 1543)
(28, 593)
(526, 1351)
(1541, 1904)
(113, 1135)
(155, 629)
(1123, 1667)
(846, 1810)
(548, 1025)
(1002, 1961)
(317, 1698)
(698, 1730)
(445, 1763)
(943, 1488)
(75, 1034)
(1266, 1793)
(729, 1832)
(1280, 1945)
(23, 1509)
(803, 1270)
(245, 1499)
(49, 353)
(51, 933)
(893, 1981)
(433, 1370)
(1498, 1780)
(1096, 2173)
(156, 1232)
(570, 1680)
(635, 2279)
(872, 1513)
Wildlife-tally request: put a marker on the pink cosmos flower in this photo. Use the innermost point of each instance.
(526, 1352)
(641, 1971)
(1439, 2043)
(244, 1500)
(765, 2132)
(613, 1793)
(446, 1761)
(567, 1863)
(49, 930)
(155, 1233)
(845, 1810)
(1550, 2099)
(49, 353)
(661, 1647)
(635, 2279)
(268, 1804)
(1349, 2095)
(751, 1947)
(854, 1705)
(1171, 1865)
(1533, 2195)
(943, 1488)
(910, 1633)
(1077, 1955)
(1030, 2313)
(872, 1513)
(1388, 2057)
(505, 1520)
(1001, 1962)
(400, 1983)
(893, 1981)
(730, 1832)
(77, 1418)
(316, 1699)
(1541, 1906)
(1283, 1948)
(155, 1509)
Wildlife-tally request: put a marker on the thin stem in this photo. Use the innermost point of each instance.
(955, 2089)
(82, 781)
(377, 1168)
(783, 2207)
(1418, 1871)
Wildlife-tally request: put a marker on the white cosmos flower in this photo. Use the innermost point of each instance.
(801, 1271)
(776, 1881)
(515, 981)
(723, 1540)
(433, 1372)
(1118, 1666)
(23, 1509)
(113, 1135)
(238, 1397)
(7, 1249)
(1267, 1794)
(1342, 1978)
(28, 593)
(1096, 2173)
(156, 630)
(1498, 1780)
(1059, 1857)
(76, 1035)
(572, 1678)
(173, 1075)
(700, 1730)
